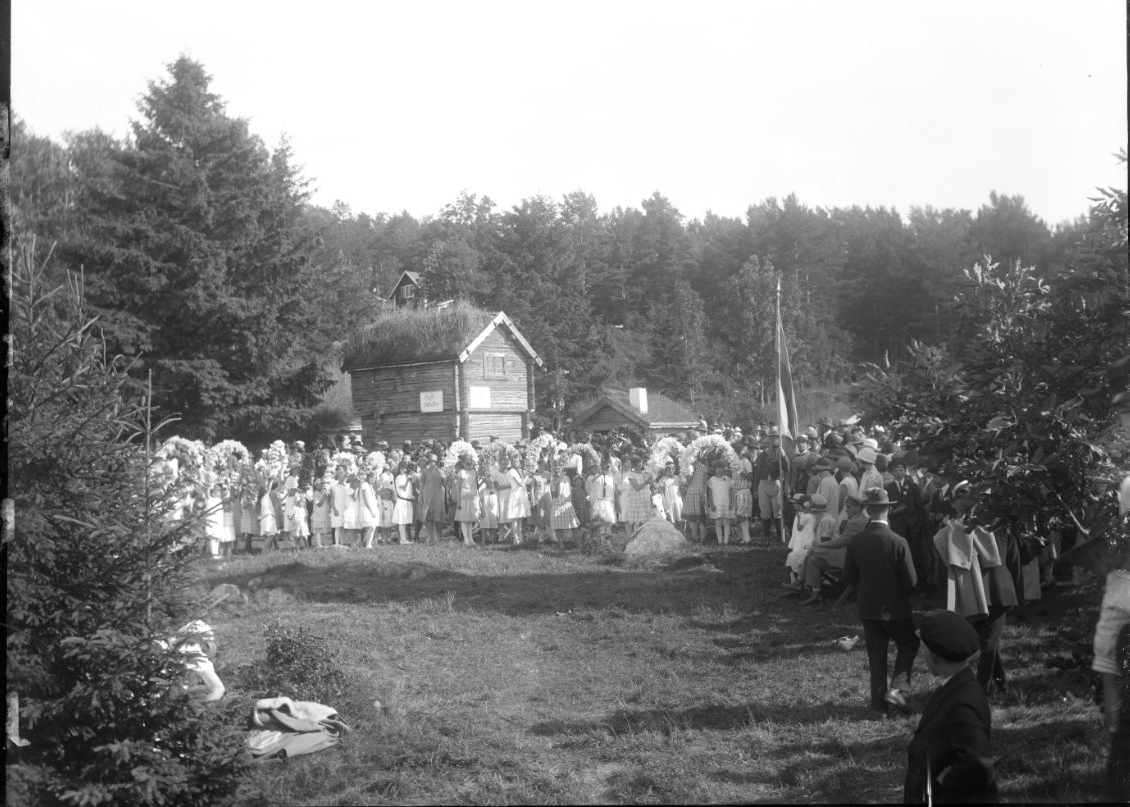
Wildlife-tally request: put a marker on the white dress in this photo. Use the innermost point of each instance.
(804, 535)
(402, 510)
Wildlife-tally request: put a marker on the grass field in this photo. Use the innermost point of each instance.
(556, 676)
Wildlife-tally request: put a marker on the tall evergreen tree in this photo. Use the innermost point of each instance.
(197, 256)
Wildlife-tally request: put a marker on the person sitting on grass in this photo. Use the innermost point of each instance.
(719, 489)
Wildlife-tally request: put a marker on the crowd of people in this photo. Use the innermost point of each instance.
(854, 507)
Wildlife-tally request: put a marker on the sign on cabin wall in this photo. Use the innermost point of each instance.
(431, 401)
(478, 398)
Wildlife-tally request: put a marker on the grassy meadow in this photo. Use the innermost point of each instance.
(551, 675)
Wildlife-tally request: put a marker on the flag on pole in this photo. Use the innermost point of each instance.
(786, 402)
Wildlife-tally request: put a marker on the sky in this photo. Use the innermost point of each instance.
(394, 106)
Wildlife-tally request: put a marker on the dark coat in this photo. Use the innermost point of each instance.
(908, 510)
(953, 737)
(878, 564)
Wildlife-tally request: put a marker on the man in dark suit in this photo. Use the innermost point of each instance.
(949, 759)
(878, 565)
(908, 517)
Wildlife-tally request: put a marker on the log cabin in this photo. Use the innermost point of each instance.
(442, 373)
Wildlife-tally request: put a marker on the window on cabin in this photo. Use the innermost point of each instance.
(494, 365)
(407, 291)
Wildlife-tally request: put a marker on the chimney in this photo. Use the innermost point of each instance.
(637, 396)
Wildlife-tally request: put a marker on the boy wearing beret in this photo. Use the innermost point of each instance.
(950, 755)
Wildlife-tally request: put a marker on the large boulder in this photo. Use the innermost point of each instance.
(657, 537)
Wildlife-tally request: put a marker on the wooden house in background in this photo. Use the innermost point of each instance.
(651, 413)
(442, 373)
(408, 291)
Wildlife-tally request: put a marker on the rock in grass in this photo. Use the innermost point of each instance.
(227, 592)
(657, 537)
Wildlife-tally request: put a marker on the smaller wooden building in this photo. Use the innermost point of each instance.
(442, 373)
(650, 412)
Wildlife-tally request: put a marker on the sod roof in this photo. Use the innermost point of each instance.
(417, 335)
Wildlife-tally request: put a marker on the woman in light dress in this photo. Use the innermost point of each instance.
(635, 498)
(602, 493)
(405, 492)
(513, 503)
(361, 508)
(467, 500)
(804, 535)
(564, 519)
(668, 484)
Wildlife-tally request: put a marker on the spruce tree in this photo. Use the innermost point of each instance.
(96, 578)
(198, 258)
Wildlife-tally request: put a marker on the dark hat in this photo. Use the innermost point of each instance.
(897, 461)
(823, 464)
(833, 439)
(950, 636)
(875, 497)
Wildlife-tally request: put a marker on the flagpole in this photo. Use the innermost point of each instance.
(780, 426)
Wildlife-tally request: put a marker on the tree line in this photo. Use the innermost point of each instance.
(203, 256)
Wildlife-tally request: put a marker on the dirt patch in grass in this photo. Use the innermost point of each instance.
(550, 675)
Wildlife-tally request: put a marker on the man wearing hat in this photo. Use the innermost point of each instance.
(878, 565)
(908, 516)
(950, 757)
(767, 473)
(827, 487)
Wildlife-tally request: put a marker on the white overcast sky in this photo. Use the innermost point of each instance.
(394, 106)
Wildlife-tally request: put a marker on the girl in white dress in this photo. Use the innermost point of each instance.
(602, 493)
(405, 495)
(804, 535)
(517, 503)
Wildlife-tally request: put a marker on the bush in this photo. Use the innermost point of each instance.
(300, 664)
(96, 578)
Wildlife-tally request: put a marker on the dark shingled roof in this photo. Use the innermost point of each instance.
(660, 409)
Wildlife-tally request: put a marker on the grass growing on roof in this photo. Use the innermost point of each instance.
(408, 335)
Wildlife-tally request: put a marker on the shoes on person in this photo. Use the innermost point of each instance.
(895, 698)
(813, 599)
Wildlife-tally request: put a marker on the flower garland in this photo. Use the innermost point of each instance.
(344, 459)
(193, 468)
(590, 458)
(708, 451)
(459, 450)
(375, 462)
(226, 459)
(489, 456)
(276, 464)
(665, 448)
(534, 450)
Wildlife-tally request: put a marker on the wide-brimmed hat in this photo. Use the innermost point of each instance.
(817, 502)
(897, 461)
(823, 464)
(871, 442)
(875, 497)
(866, 454)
